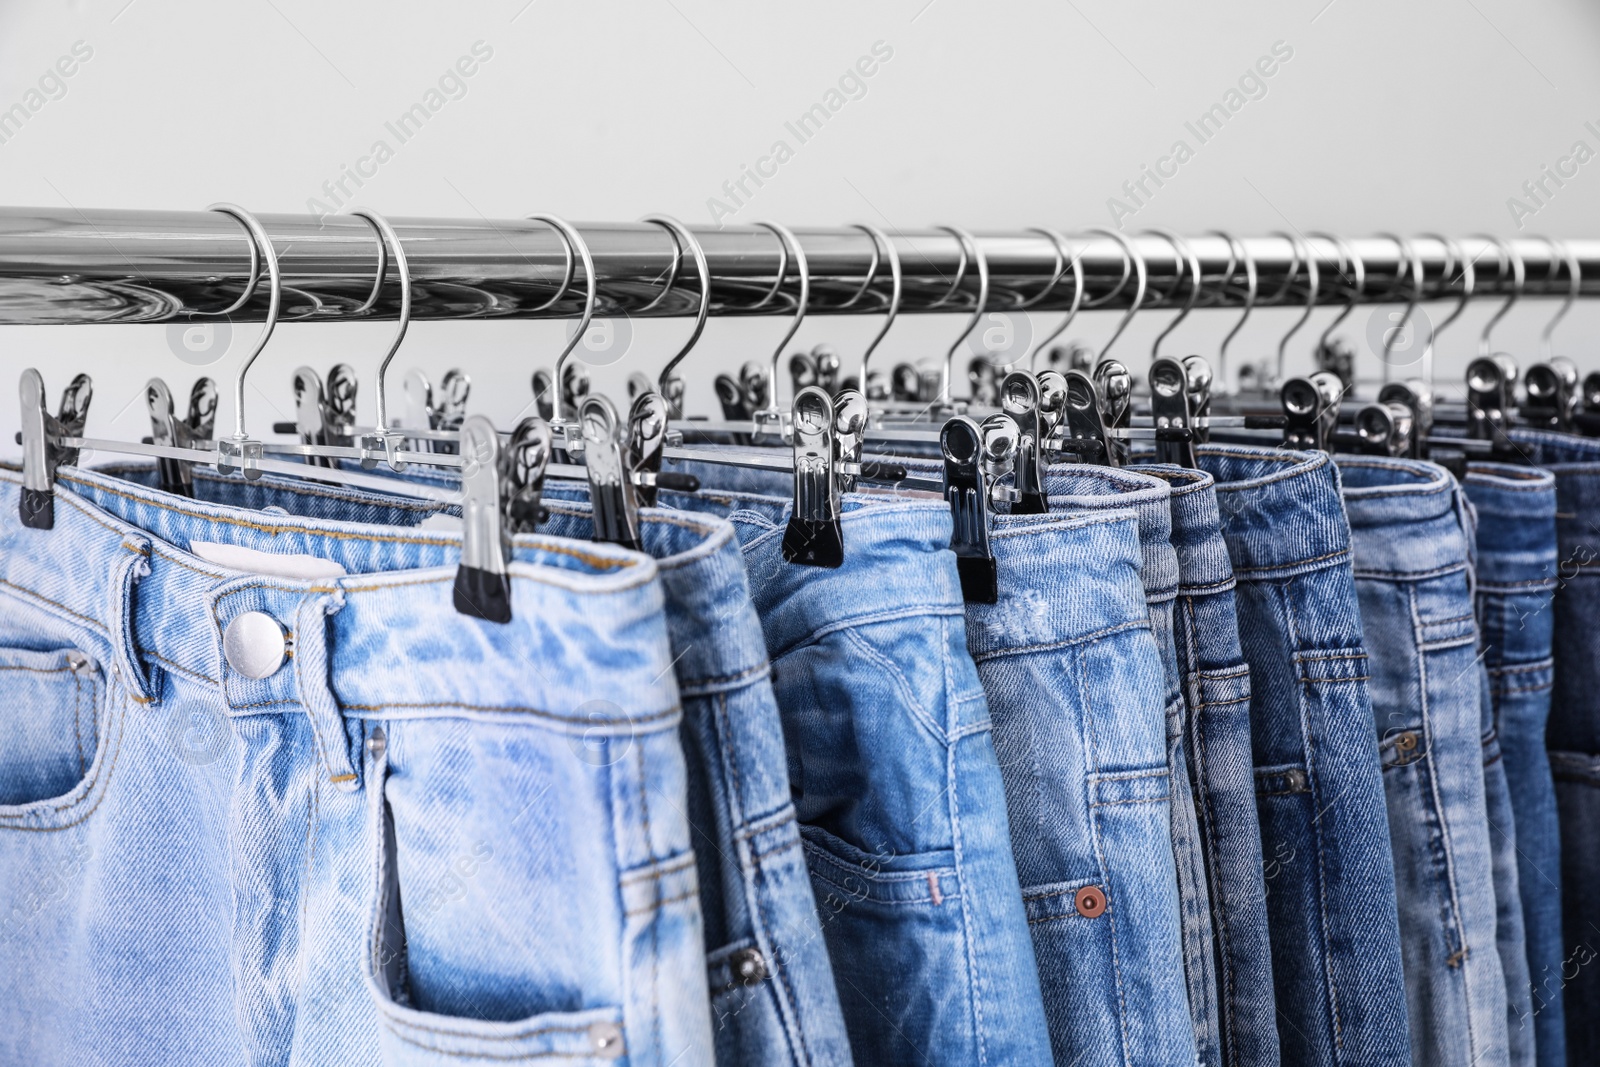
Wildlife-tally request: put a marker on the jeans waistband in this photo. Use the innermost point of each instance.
(1417, 505)
(1549, 448)
(1085, 487)
(586, 650)
(1516, 526)
(1281, 511)
(1096, 556)
(1203, 564)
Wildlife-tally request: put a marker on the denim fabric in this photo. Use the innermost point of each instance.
(1516, 582)
(1411, 547)
(1216, 686)
(249, 872)
(1336, 965)
(899, 793)
(1076, 690)
(1083, 487)
(1573, 734)
(772, 992)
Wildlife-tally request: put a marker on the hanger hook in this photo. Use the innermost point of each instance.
(1302, 252)
(786, 239)
(1410, 263)
(386, 235)
(1453, 254)
(1519, 276)
(1077, 296)
(682, 237)
(1564, 250)
(1183, 252)
(965, 239)
(1138, 296)
(1347, 256)
(893, 255)
(575, 243)
(1237, 250)
(258, 234)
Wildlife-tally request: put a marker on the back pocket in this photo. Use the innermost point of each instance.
(49, 723)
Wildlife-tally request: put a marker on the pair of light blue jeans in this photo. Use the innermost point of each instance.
(1412, 534)
(1336, 962)
(418, 838)
(1516, 583)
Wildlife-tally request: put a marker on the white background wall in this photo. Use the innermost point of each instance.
(1410, 117)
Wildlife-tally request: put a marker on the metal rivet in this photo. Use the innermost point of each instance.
(1406, 741)
(749, 966)
(1295, 780)
(254, 644)
(377, 743)
(1091, 902)
(77, 662)
(606, 1040)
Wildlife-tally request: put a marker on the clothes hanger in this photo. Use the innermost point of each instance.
(1552, 387)
(1237, 250)
(892, 254)
(1333, 354)
(1077, 298)
(1491, 379)
(1180, 390)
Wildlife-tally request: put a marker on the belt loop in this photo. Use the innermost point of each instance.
(1467, 515)
(313, 683)
(125, 650)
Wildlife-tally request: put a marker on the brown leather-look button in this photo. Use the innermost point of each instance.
(1406, 741)
(1091, 902)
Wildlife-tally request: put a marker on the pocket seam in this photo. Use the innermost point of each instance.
(92, 786)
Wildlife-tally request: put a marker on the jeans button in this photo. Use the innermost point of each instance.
(606, 1040)
(1091, 901)
(748, 966)
(254, 644)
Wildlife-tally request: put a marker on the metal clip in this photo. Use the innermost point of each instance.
(850, 418)
(814, 537)
(451, 409)
(647, 436)
(176, 476)
(983, 377)
(522, 468)
(1590, 420)
(1552, 394)
(1084, 437)
(1417, 397)
(339, 407)
(1337, 356)
(905, 382)
(825, 363)
(574, 385)
(802, 371)
(41, 453)
(1113, 385)
(967, 492)
(1491, 396)
(1198, 379)
(481, 588)
(611, 489)
(544, 394)
(1075, 356)
(1019, 398)
(310, 413)
(1384, 429)
(1169, 409)
(1052, 407)
(1311, 411)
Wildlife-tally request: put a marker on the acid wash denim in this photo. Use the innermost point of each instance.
(1216, 685)
(1516, 582)
(1078, 486)
(423, 840)
(1076, 690)
(1336, 965)
(1573, 735)
(1411, 537)
(900, 799)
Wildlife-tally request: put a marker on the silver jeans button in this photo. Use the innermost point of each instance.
(254, 644)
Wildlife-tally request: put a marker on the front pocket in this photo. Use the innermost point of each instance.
(53, 728)
(409, 1037)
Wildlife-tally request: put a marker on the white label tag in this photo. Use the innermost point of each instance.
(278, 564)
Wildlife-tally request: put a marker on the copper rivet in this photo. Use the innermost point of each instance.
(1091, 902)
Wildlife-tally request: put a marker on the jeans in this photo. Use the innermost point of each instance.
(1076, 691)
(1573, 734)
(1075, 486)
(1411, 535)
(898, 789)
(1516, 582)
(1336, 965)
(1216, 686)
(404, 844)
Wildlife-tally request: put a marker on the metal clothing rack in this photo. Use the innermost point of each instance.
(65, 266)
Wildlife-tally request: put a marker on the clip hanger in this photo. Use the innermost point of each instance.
(1551, 394)
(814, 537)
(1019, 398)
(1311, 411)
(41, 455)
(1491, 398)
(1084, 436)
(1169, 409)
(1113, 386)
(523, 462)
(967, 492)
(482, 589)
(1385, 428)
(612, 492)
(192, 431)
(1417, 398)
